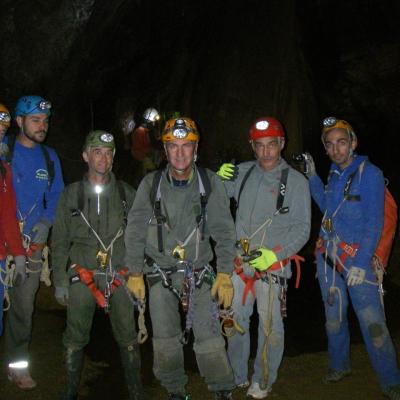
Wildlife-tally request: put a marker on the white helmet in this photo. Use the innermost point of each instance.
(150, 116)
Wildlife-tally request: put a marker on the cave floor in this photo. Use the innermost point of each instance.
(299, 377)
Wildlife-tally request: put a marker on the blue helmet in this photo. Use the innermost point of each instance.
(28, 105)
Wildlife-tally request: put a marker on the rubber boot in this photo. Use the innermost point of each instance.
(130, 358)
(74, 364)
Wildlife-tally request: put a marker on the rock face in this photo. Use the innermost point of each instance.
(223, 63)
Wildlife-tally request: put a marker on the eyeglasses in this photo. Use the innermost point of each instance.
(5, 117)
(329, 121)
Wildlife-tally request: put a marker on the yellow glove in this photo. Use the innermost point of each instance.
(228, 172)
(135, 285)
(224, 288)
(264, 260)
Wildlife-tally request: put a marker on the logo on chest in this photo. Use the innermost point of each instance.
(42, 175)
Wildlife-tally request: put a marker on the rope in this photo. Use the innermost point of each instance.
(142, 330)
(45, 273)
(267, 326)
(6, 278)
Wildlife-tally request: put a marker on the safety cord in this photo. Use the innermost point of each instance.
(6, 278)
(188, 286)
(161, 220)
(109, 273)
(22, 218)
(267, 326)
(105, 248)
(228, 325)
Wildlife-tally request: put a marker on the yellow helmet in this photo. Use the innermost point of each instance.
(5, 117)
(330, 123)
(180, 128)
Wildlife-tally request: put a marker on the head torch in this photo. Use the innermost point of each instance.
(329, 121)
(5, 117)
(180, 130)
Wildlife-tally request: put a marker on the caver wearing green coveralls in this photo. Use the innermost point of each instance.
(178, 193)
(88, 237)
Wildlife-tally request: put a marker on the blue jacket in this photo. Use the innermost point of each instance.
(354, 221)
(35, 198)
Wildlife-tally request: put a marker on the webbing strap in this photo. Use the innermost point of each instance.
(86, 277)
(243, 183)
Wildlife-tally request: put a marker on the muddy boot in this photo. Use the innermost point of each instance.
(73, 363)
(130, 358)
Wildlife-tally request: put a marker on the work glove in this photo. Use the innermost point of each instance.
(264, 260)
(135, 285)
(20, 271)
(228, 172)
(40, 231)
(355, 276)
(309, 165)
(223, 289)
(62, 295)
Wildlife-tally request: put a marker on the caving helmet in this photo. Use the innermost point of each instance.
(5, 117)
(150, 117)
(28, 105)
(266, 127)
(330, 123)
(180, 128)
(99, 138)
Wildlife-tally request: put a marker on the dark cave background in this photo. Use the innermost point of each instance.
(223, 63)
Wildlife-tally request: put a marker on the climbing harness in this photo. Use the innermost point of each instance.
(113, 281)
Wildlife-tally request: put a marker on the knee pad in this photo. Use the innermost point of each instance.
(332, 326)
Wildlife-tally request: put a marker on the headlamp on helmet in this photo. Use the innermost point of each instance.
(99, 138)
(28, 105)
(5, 117)
(330, 123)
(151, 116)
(180, 128)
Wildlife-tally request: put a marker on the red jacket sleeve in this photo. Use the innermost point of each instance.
(10, 236)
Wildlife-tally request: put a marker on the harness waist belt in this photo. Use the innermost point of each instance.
(348, 251)
(249, 281)
(86, 276)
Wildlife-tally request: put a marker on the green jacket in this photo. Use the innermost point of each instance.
(180, 206)
(73, 242)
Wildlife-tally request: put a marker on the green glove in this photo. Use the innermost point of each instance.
(265, 260)
(228, 172)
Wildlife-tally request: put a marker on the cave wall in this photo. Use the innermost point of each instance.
(223, 63)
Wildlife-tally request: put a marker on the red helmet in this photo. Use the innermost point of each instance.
(266, 127)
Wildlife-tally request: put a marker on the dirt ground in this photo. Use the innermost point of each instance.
(303, 366)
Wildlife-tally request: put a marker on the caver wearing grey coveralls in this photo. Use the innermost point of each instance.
(288, 232)
(181, 207)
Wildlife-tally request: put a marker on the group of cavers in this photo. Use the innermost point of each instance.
(123, 249)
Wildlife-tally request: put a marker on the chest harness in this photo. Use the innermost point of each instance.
(244, 244)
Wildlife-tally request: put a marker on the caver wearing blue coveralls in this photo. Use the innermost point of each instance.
(350, 231)
(278, 226)
(37, 183)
